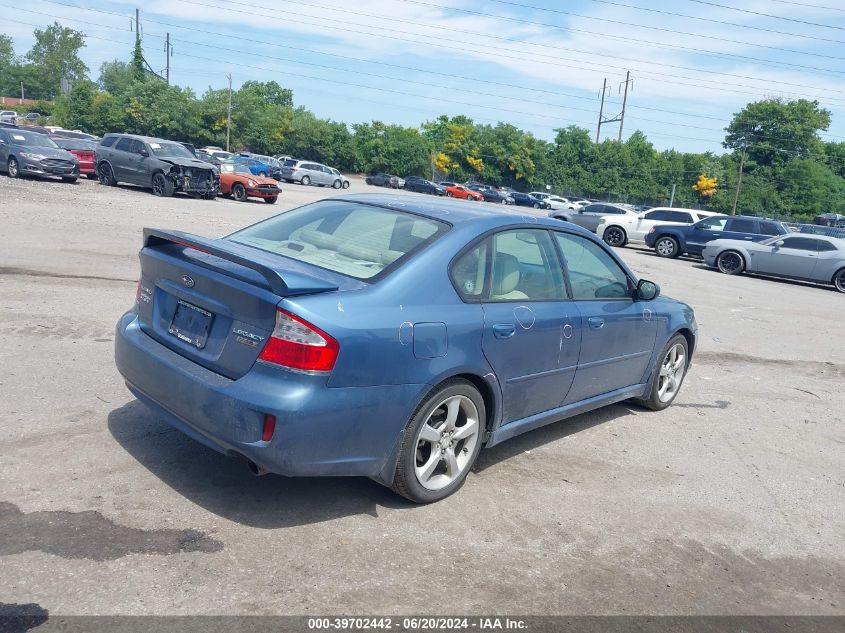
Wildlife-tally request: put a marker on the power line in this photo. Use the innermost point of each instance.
(449, 44)
(215, 46)
(765, 15)
(808, 6)
(641, 72)
(686, 16)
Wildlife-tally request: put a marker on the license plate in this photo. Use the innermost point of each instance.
(191, 324)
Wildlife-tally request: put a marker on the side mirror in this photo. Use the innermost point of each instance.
(641, 215)
(778, 244)
(143, 152)
(647, 290)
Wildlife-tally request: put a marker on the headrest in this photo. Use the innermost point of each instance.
(505, 274)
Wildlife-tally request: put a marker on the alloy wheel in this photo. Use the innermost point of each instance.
(13, 168)
(672, 371)
(839, 280)
(158, 185)
(614, 237)
(446, 442)
(729, 262)
(665, 247)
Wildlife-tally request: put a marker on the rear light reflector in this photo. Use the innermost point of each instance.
(299, 345)
(269, 427)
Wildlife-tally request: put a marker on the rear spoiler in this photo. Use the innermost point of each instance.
(284, 283)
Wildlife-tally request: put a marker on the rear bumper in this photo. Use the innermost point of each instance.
(319, 430)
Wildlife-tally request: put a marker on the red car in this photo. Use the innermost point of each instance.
(237, 181)
(84, 150)
(459, 191)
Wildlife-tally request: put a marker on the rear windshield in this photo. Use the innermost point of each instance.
(345, 237)
(75, 143)
(290, 162)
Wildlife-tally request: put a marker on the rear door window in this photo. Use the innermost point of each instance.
(108, 141)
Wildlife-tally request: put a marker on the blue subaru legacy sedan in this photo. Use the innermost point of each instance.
(392, 337)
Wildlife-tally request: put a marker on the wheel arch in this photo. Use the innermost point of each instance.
(836, 273)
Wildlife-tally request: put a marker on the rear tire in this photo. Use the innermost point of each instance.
(839, 280)
(730, 262)
(671, 369)
(667, 247)
(239, 192)
(441, 442)
(162, 187)
(305, 180)
(536, 206)
(615, 236)
(336, 184)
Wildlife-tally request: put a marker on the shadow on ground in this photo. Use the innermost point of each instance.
(224, 486)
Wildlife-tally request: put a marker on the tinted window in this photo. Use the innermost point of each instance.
(124, 144)
(769, 228)
(593, 274)
(108, 141)
(658, 216)
(607, 209)
(290, 162)
(345, 237)
(740, 225)
(713, 224)
(680, 216)
(136, 147)
(800, 243)
(826, 246)
(525, 266)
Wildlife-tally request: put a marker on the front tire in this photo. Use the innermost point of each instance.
(730, 263)
(667, 247)
(239, 192)
(345, 184)
(69, 179)
(271, 200)
(305, 181)
(671, 371)
(441, 442)
(615, 236)
(13, 168)
(106, 175)
(162, 187)
(448, 194)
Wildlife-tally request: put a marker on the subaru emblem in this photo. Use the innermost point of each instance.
(188, 281)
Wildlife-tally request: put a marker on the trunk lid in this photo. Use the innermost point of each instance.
(214, 301)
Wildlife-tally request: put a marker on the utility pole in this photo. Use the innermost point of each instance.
(624, 103)
(229, 115)
(620, 117)
(137, 26)
(168, 51)
(739, 180)
(601, 109)
(672, 198)
(22, 97)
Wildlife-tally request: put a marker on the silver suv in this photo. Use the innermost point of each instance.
(309, 173)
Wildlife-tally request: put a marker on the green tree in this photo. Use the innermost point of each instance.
(56, 56)
(774, 131)
(392, 148)
(116, 77)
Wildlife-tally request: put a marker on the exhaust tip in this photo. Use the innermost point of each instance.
(255, 469)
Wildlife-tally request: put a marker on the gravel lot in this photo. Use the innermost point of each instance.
(730, 502)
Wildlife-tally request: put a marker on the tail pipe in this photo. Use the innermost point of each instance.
(255, 469)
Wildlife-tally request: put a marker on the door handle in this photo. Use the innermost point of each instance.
(596, 323)
(504, 330)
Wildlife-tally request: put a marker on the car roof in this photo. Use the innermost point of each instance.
(454, 211)
(146, 139)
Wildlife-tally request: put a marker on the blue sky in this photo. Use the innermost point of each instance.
(538, 64)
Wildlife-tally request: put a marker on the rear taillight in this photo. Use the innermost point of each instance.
(299, 345)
